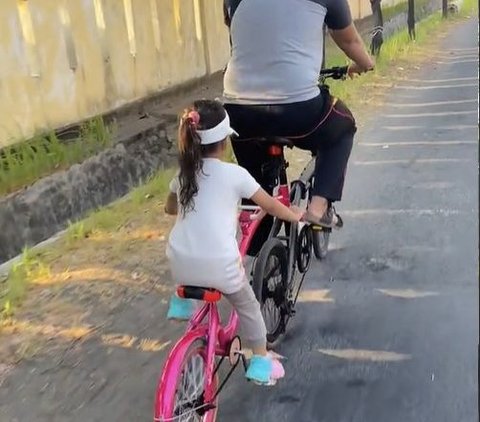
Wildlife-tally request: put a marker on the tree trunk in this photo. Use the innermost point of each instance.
(411, 19)
(444, 8)
(377, 32)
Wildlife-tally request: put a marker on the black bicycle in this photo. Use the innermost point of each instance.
(283, 260)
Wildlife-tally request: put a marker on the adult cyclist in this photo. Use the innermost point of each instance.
(271, 88)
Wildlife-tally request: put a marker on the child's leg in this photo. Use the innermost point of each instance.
(251, 319)
(264, 368)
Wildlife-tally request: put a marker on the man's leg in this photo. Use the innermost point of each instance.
(330, 171)
(333, 142)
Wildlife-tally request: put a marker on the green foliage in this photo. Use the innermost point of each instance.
(398, 46)
(24, 163)
(12, 289)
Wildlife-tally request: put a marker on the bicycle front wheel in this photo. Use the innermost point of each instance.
(181, 391)
(320, 240)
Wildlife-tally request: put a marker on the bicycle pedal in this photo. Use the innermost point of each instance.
(317, 228)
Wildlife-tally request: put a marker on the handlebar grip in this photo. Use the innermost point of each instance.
(336, 72)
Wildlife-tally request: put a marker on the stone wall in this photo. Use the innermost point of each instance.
(38, 212)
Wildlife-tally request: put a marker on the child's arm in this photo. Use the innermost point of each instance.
(171, 206)
(274, 207)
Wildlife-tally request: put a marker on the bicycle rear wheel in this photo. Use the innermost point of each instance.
(270, 280)
(185, 402)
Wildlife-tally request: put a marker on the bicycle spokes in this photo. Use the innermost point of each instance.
(273, 294)
(190, 391)
(304, 249)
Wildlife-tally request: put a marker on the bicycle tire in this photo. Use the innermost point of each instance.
(263, 290)
(320, 235)
(320, 240)
(195, 349)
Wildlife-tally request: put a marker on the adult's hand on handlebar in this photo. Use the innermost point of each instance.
(355, 69)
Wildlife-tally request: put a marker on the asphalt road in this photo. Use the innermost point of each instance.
(394, 336)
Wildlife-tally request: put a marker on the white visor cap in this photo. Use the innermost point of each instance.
(217, 133)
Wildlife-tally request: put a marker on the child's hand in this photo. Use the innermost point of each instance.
(299, 213)
(258, 215)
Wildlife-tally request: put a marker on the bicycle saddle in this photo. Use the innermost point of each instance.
(199, 293)
(278, 141)
(273, 140)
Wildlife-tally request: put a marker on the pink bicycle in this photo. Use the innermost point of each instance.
(189, 386)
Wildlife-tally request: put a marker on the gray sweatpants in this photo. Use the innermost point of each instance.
(252, 325)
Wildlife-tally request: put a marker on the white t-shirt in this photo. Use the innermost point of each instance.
(202, 247)
(277, 48)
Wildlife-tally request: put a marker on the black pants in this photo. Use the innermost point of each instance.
(322, 125)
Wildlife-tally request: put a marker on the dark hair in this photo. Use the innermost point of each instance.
(203, 115)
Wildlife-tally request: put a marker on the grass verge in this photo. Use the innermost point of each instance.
(23, 164)
(469, 8)
(113, 217)
(143, 204)
(12, 289)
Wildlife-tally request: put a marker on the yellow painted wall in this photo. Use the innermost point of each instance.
(66, 60)
(62, 61)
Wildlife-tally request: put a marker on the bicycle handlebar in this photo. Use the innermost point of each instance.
(337, 72)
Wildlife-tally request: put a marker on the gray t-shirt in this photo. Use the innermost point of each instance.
(277, 48)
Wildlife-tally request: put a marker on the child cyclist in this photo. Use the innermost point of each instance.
(202, 247)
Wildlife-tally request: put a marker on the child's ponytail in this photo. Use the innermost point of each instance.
(202, 116)
(190, 158)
